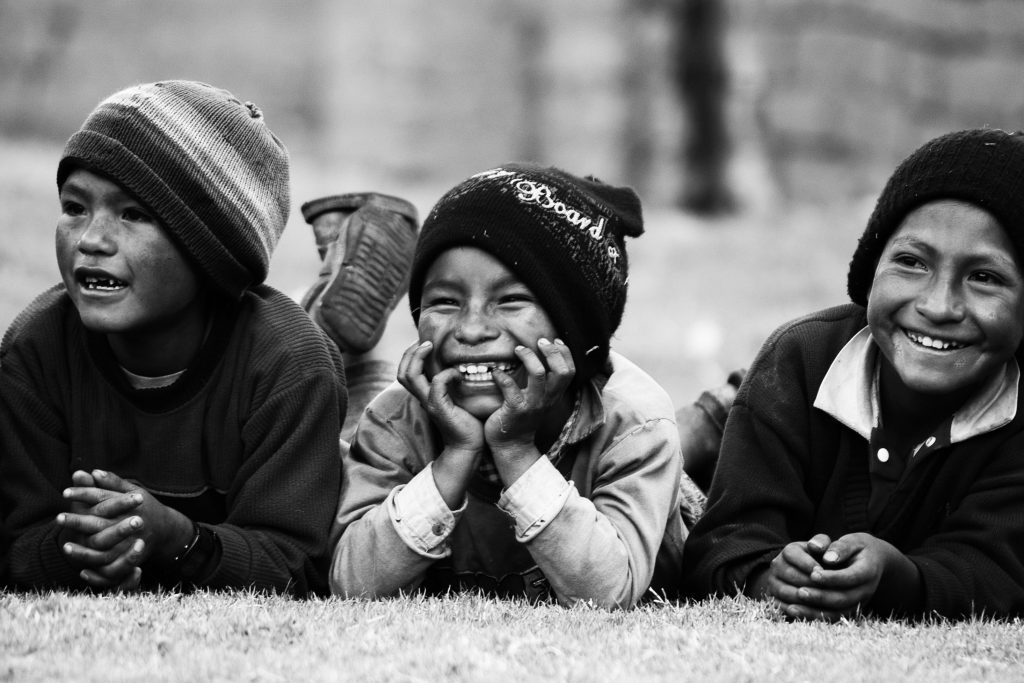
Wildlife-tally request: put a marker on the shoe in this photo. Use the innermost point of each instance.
(366, 242)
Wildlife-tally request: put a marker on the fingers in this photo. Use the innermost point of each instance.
(100, 534)
(111, 482)
(800, 612)
(410, 370)
(121, 572)
(818, 544)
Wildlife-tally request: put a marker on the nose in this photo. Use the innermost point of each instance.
(474, 325)
(98, 235)
(942, 300)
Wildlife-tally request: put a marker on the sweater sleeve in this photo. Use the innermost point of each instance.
(34, 456)
(603, 548)
(973, 562)
(758, 500)
(279, 509)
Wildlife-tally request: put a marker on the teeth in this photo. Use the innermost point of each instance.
(102, 283)
(482, 371)
(939, 344)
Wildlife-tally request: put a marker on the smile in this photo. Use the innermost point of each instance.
(102, 284)
(933, 343)
(481, 372)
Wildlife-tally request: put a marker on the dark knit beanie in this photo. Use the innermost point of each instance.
(983, 167)
(562, 235)
(205, 163)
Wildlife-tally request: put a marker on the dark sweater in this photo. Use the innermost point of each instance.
(788, 471)
(245, 442)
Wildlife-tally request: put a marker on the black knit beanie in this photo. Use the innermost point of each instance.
(562, 235)
(205, 163)
(984, 167)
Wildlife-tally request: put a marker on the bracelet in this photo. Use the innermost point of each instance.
(182, 556)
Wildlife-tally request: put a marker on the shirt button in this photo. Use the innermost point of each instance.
(438, 529)
(883, 455)
(929, 442)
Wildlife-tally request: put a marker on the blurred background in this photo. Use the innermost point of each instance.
(757, 132)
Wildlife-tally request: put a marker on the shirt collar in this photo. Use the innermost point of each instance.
(849, 393)
(587, 415)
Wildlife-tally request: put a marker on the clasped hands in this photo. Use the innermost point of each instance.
(113, 526)
(822, 579)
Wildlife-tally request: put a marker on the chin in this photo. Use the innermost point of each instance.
(480, 407)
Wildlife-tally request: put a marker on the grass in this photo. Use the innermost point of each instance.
(240, 636)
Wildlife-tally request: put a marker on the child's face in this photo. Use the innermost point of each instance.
(475, 311)
(946, 305)
(122, 271)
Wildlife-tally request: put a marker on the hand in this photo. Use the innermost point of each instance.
(511, 430)
(853, 569)
(789, 574)
(462, 434)
(100, 535)
(162, 529)
(459, 430)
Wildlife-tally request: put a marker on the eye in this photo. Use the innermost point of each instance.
(134, 214)
(439, 301)
(987, 277)
(515, 298)
(907, 260)
(71, 208)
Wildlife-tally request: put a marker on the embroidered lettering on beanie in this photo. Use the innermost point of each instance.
(205, 163)
(562, 235)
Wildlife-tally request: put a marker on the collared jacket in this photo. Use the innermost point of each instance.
(586, 524)
(789, 470)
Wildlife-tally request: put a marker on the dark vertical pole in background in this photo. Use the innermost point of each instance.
(702, 80)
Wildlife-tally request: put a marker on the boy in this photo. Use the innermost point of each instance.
(517, 454)
(874, 456)
(165, 418)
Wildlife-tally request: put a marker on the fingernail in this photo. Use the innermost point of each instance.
(99, 473)
(425, 344)
(66, 493)
(559, 341)
(830, 556)
(136, 497)
(520, 347)
(135, 522)
(542, 342)
(139, 546)
(61, 518)
(67, 548)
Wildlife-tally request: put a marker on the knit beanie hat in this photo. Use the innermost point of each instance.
(984, 167)
(562, 235)
(205, 163)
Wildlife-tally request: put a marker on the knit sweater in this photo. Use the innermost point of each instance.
(788, 471)
(244, 442)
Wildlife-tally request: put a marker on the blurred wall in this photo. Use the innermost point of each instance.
(826, 95)
(849, 87)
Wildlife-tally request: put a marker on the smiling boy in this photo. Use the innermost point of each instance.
(517, 454)
(874, 457)
(165, 418)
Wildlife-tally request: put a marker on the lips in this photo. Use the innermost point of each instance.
(934, 343)
(94, 280)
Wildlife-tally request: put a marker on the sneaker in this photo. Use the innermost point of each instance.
(366, 242)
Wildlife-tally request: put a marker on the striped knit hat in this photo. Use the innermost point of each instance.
(562, 235)
(205, 163)
(983, 166)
